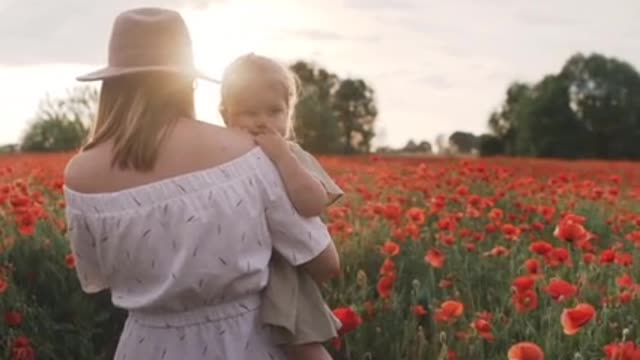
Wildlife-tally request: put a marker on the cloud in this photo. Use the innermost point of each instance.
(381, 4)
(66, 31)
(202, 4)
(327, 35)
(539, 18)
(436, 81)
(436, 66)
(316, 34)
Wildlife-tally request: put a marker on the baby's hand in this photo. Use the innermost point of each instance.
(271, 142)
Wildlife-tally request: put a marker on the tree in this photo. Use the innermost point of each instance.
(356, 113)
(333, 115)
(55, 134)
(503, 122)
(463, 142)
(591, 108)
(490, 145)
(547, 125)
(61, 124)
(604, 94)
(413, 147)
(385, 150)
(425, 147)
(316, 128)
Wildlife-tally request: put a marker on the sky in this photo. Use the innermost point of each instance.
(436, 66)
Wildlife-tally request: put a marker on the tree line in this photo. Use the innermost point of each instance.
(590, 109)
(333, 115)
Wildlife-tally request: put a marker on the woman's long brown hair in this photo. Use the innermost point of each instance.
(136, 112)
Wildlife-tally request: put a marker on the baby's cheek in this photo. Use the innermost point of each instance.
(241, 123)
(281, 127)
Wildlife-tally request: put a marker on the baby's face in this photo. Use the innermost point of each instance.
(257, 106)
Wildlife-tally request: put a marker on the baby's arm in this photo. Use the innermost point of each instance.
(307, 194)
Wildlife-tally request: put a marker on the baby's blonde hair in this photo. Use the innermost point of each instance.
(246, 69)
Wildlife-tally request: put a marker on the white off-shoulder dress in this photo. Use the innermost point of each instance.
(188, 257)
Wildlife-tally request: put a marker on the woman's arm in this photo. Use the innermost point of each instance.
(325, 266)
(83, 247)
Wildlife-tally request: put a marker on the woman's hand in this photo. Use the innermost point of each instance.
(271, 142)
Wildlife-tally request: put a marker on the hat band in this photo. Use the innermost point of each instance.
(165, 56)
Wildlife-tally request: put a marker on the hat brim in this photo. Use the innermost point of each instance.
(113, 72)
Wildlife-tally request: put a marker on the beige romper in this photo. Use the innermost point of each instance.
(292, 301)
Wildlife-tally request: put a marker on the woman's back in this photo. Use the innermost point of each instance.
(185, 247)
(190, 146)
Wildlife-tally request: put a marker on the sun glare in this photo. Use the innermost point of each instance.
(224, 31)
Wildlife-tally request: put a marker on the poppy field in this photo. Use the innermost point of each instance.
(442, 259)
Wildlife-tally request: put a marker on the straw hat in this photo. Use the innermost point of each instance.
(148, 39)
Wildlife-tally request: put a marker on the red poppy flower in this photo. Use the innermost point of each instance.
(607, 256)
(70, 261)
(622, 351)
(523, 283)
(533, 266)
(571, 231)
(418, 310)
(435, 258)
(574, 319)
(390, 248)
(510, 231)
(497, 251)
(496, 214)
(483, 327)
(625, 281)
(560, 290)
(349, 318)
(634, 237)
(27, 224)
(13, 318)
(388, 267)
(385, 286)
(416, 215)
(525, 301)
(558, 256)
(4, 284)
(525, 351)
(445, 283)
(449, 311)
(22, 350)
(411, 229)
(540, 247)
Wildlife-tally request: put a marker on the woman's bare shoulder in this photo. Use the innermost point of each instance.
(82, 169)
(212, 143)
(191, 146)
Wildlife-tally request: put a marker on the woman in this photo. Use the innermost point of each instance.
(174, 215)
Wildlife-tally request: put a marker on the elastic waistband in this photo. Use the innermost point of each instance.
(199, 315)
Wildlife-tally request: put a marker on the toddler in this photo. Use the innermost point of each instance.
(258, 95)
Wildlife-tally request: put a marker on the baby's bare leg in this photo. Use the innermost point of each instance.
(307, 352)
